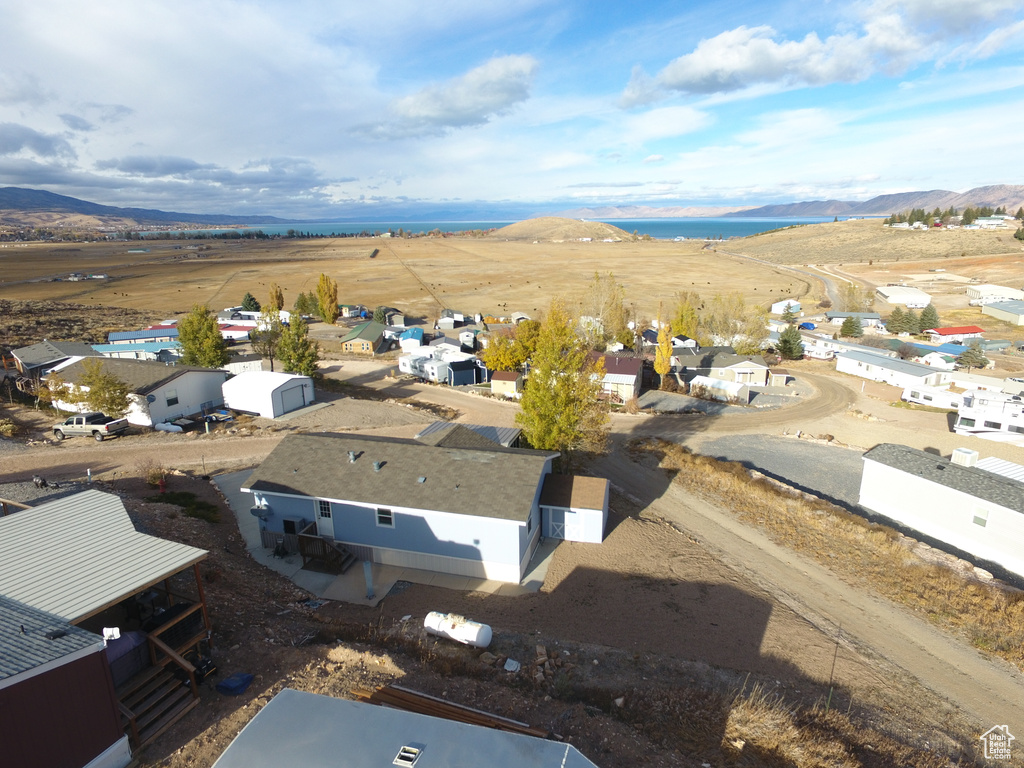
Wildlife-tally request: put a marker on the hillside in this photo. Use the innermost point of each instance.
(35, 207)
(1009, 196)
(556, 229)
(867, 240)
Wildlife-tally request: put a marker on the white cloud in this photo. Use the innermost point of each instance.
(663, 123)
(654, 159)
(641, 90)
(484, 92)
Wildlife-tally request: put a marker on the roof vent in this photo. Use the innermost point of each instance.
(421, 480)
(377, 465)
(351, 457)
(407, 756)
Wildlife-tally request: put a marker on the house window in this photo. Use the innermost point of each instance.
(529, 523)
(981, 517)
(993, 425)
(385, 518)
(323, 508)
(172, 397)
(965, 422)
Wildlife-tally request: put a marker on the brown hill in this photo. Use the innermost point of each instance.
(556, 230)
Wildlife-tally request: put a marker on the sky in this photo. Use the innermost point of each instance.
(311, 109)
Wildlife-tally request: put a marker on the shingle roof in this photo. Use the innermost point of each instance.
(46, 351)
(574, 491)
(970, 480)
(77, 555)
(141, 376)
(23, 641)
(505, 375)
(725, 360)
(457, 480)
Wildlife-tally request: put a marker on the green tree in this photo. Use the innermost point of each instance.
(200, 339)
(913, 322)
(929, 318)
(852, 328)
(267, 336)
(789, 314)
(1019, 234)
(1020, 214)
(560, 410)
(305, 304)
(296, 351)
(327, 299)
(249, 303)
(101, 390)
(380, 315)
(972, 357)
(276, 299)
(791, 345)
(685, 319)
(53, 389)
(897, 322)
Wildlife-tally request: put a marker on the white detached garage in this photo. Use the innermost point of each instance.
(268, 394)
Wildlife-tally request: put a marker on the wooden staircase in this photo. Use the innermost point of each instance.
(313, 547)
(158, 697)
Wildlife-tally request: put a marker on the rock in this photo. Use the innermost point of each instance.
(620, 702)
(488, 658)
(542, 652)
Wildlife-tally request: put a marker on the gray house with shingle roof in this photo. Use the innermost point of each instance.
(468, 507)
(159, 392)
(37, 358)
(977, 510)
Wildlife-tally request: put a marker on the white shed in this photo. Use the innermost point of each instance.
(574, 508)
(780, 306)
(268, 394)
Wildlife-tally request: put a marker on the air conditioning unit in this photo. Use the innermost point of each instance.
(293, 525)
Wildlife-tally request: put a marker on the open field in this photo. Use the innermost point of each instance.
(865, 240)
(420, 276)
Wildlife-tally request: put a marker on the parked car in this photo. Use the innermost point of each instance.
(806, 326)
(98, 425)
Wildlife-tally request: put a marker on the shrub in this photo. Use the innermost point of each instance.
(8, 428)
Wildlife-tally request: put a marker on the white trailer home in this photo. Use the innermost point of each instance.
(933, 396)
(974, 507)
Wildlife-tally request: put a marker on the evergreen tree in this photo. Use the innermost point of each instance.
(560, 410)
(897, 322)
(249, 303)
(305, 304)
(789, 314)
(1020, 214)
(913, 322)
(791, 345)
(200, 339)
(296, 351)
(972, 357)
(380, 315)
(929, 318)
(851, 328)
(327, 299)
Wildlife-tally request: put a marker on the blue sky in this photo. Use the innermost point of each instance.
(340, 109)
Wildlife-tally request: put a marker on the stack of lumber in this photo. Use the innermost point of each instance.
(412, 701)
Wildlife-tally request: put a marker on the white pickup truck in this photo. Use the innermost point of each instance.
(95, 424)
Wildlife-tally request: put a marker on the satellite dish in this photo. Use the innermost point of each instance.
(150, 398)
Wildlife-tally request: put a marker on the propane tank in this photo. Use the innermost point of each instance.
(458, 628)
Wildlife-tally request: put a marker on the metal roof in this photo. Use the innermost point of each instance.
(457, 480)
(1014, 306)
(974, 481)
(440, 432)
(24, 644)
(78, 555)
(889, 363)
(137, 346)
(1002, 467)
(314, 731)
(147, 333)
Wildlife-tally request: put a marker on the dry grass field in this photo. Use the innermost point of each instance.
(419, 276)
(866, 240)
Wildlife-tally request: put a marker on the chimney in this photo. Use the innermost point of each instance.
(965, 457)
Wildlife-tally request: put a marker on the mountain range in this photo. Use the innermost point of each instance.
(24, 207)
